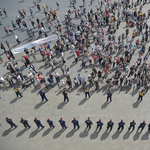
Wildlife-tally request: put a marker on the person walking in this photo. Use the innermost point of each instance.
(75, 123)
(132, 125)
(88, 123)
(62, 123)
(110, 125)
(8, 45)
(50, 122)
(12, 124)
(141, 93)
(99, 125)
(43, 96)
(25, 123)
(65, 96)
(17, 92)
(87, 92)
(142, 126)
(3, 47)
(109, 96)
(121, 125)
(38, 123)
(5, 12)
(17, 39)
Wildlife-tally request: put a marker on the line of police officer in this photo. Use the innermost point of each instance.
(75, 122)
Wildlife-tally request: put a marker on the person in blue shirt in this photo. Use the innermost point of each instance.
(42, 94)
(75, 123)
(99, 125)
(142, 125)
(79, 78)
(121, 125)
(50, 122)
(38, 123)
(62, 123)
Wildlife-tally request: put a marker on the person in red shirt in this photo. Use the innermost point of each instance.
(78, 53)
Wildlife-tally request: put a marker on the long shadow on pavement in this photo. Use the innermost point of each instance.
(94, 135)
(14, 100)
(37, 106)
(34, 133)
(46, 132)
(145, 136)
(127, 135)
(6, 132)
(116, 135)
(61, 105)
(105, 105)
(57, 134)
(84, 133)
(21, 132)
(136, 104)
(71, 133)
(83, 101)
(137, 135)
(105, 135)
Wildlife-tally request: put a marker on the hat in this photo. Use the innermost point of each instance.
(74, 118)
(88, 118)
(35, 118)
(6, 117)
(110, 120)
(144, 121)
(99, 119)
(21, 118)
(61, 118)
(121, 120)
(133, 120)
(48, 119)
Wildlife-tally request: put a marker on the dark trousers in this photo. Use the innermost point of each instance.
(18, 94)
(63, 126)
(26, 125)
(140, 98)
(44, 97)
(109, 97)
(142, 127)
(13, 125)
(109, 127)
(131, 127)
(40, 125)
(87, 93)
(66, 98)
(76, 125)
(51, 125)
(122, 127)
(99, 126)
(88, 127)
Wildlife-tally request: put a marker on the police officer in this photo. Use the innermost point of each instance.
(75, 123)
(149, 127)
(50, 122)
(121, 125)
(99, 125)
(132, 125)
(110, 125)
(142, 125)
(141, 93)
(109, 95)
(38, 123)
(65, 96)
(17, 92)
(25, 123)
(62, 123)
(42, 94)
(88, 123)
(86, 90)
(12, 124)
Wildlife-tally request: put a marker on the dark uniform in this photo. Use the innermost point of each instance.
(132, 125)
(149, 127)
(65, 96)
(50, 122)
(109, 95)
(110, 125)
(62, 123)
(25, 123)
(99, 124)
(88, 123)
(12, 124)
(75, 123)
(121, 125)
(38, 123)
(42, 94)
(142, 125)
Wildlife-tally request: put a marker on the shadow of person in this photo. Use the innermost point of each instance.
(14, 100)
(37, 106)
(105, 105)
(84, 133)
(145, 136)
(6, 132)
(71, 133)
(57, 134)
(105, 135)
(83, 101)
(21, 132)
(61, 105)
(136, 104)
(34, 133)
(46, 132)
(127, 135)
(116, 134)
(136, 136)
(94, 135)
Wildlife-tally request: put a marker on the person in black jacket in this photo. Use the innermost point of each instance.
(12, 124)
(38, 123)
(132, 125)
(88, 123)
(109, 95)
(75, 123)
(121, 125)
(110, 125)
(25, 123)
(99, 124)
(50, 122)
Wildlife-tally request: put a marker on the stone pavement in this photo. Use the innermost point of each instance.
(123, 106)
